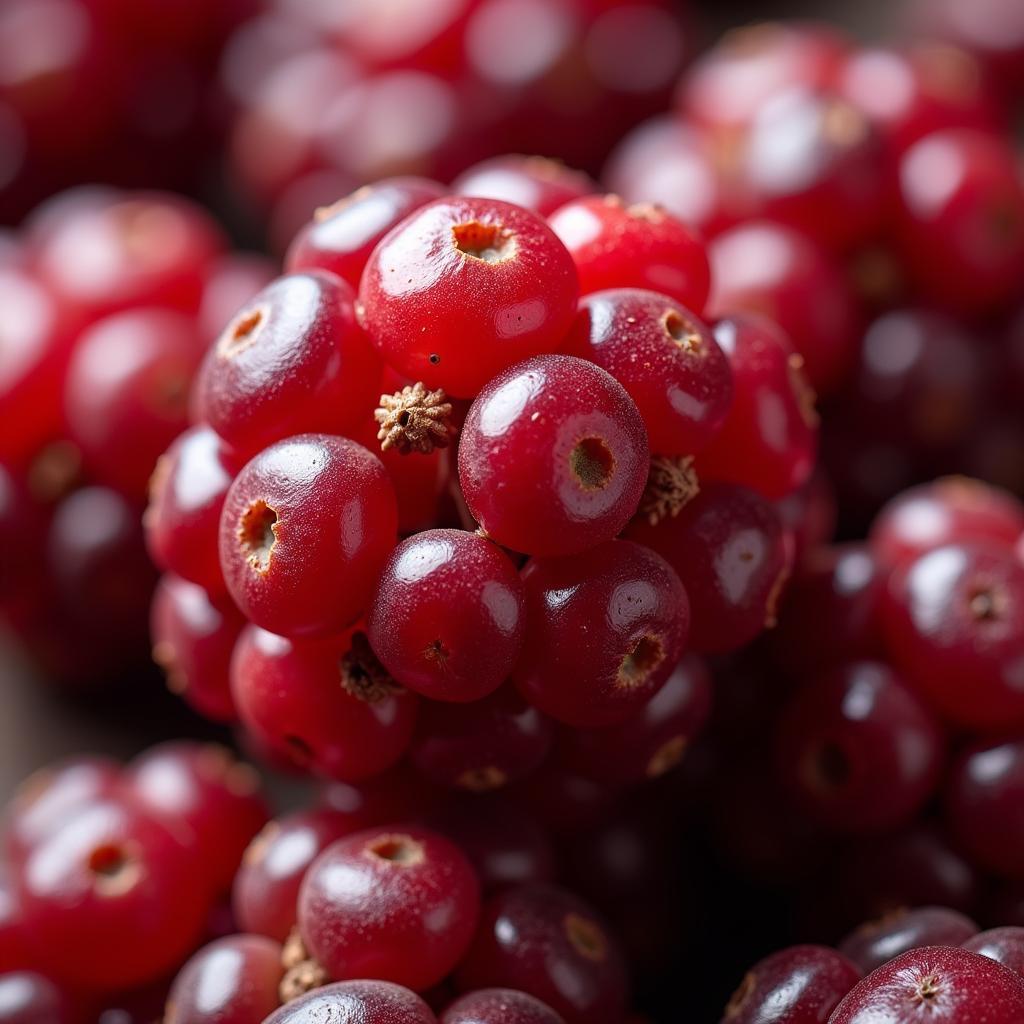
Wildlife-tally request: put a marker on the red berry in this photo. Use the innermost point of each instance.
(14, 952)
(1004, 945)
(499, 1006)
(29, 998)
(877, 942)
(533, 182)
(356, 1002)
(553, 456)
(231, 281)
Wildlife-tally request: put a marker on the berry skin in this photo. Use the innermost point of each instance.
(770, 437)
(464, 288)
(796, 985)
(633, 612)
(233, 980)
(29, 998)
(326, 704)
(728, 547)
(665, 358)
(954, 624)
(1004, 945)
(638, 246)
(398, 904)
(545, 941)
(341, 237)
(942, 984)
(553, 456)
(14, 952)
(293, 360)
(234, 279)
(499, 1006)
(447, 618)
(533, 182)
(356, 1002)
(305, 530)
(877, 942)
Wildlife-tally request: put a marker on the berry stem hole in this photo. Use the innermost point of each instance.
(242, 332)
(113, 868)
(586, 937)
(638, 664)
(489, 243)
(397, 849)
(682, 331)
(257, 535)
(829, 768)
(592, 463)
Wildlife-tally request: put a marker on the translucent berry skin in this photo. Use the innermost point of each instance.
(233, 980)
(1004, 945)
(306, 528)
(638, 246)
(30, 998)
(341, 237)
(955, 985)
(447, 617)
(545, 941)
(666, 359)
(398, 904)
(482, 745)
(193, 638)
(953, 621)
(119, 892)
(728, 547)
(877, 942)
(950, 510)
(464, 288)
(186, 495)
(553, 456)
(266, 886)
(293, 360)
(499, 1006)
(797, 985)
(356, 1002)
(769, 439)
(204, 786)
(634, 613)
(982, 806)
(533, 182)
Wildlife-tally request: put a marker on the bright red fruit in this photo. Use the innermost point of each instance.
(356, 1002)
(877, 942)
(499, 1006)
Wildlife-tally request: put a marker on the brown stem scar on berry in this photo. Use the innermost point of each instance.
(666, 757)
(928, 988)
(301, 978)
(987, 603)
(671, 485)
(482, 780)
(806, 399)
(682, 331)
(638, 664)
(362, 674)
(741, 996)
(414, 420)
(586, 936)
(489, 243)
(592, 463)
(398, 849)
(241, 332)
(114, 869)
(257, 536)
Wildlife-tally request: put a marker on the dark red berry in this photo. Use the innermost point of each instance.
(877, 942)
(1005, 945)
(499, 1006)
(356, 1002)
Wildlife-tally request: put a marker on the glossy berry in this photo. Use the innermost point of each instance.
(341, 237)
(798, 985)
(233, 980)
(553, 456)
(545, 941)
(768, 441)
(30, 998)
(953, 624)
(877, 942)
(666, 359)
(464, 288)
(533, 182)
(632, 610)
(728, 548)
(327, 705)
(447, 617)
(305, 530)
(398, 904)
(954, 985)
(293, 360)
(1005, 945)
(638, 246)
(499, 1006)
(356, 1002)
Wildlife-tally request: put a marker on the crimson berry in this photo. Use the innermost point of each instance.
(356, 1002)
(464, 288)
(1004, 945)
(326, 704)
(638, 246)
(728, 547)
(29, 998)
(293, 360)
(665, 358)
(533, 182)
(230, 282)
(14, 951)
(797, 985)
(877, 942)
(305, 530)
(447, 617)
(231, 981)
(553, 456)
(543, 940)
(768, 441)
(398, 904)
(203, 785)
(954, 624)
(953, 984)
(266, 885)
(634, 613)
(499, 1006)
(186, 495)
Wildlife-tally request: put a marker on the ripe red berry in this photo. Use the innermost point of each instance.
(1004, 945)
(877, 942)
(305, 530)
(356, 1002)
(447, 617)
(665, 358)
(533, 182)
(398, 904)
(231, 281)
(499, 1006)
(553, 456)
(30, 998)
(464, 288)
(638, 246)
